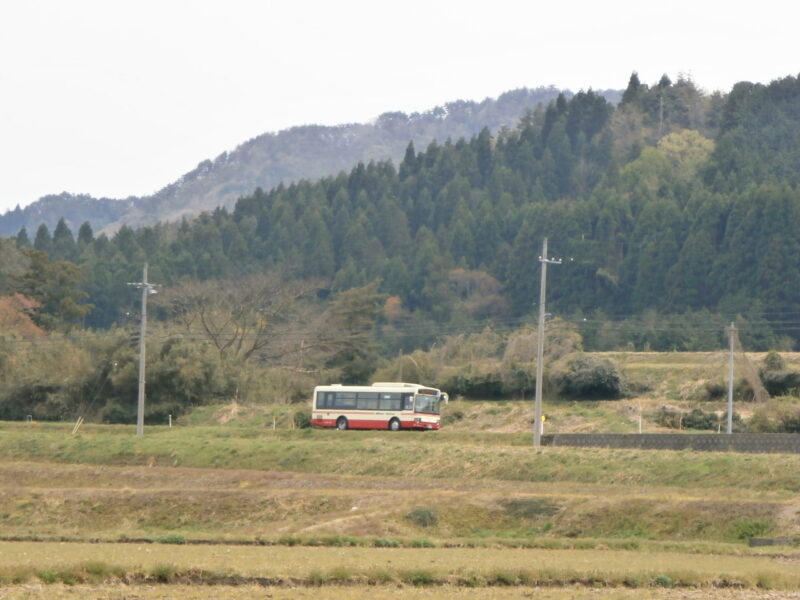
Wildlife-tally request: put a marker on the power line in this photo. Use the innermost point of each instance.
(502, 326)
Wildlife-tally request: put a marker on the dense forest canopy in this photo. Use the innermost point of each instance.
(675, 212)
(673, 201)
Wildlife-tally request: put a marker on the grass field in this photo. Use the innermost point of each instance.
(224, 500)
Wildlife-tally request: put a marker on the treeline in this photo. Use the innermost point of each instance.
(266, 340)
(672, 203)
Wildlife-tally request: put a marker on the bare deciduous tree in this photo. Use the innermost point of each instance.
(263, 317)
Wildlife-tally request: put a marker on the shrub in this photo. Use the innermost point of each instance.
(97, 570)
(163, 573)
(47, 576)
(302, 418)
(590, 378)
(418, 577)
(339, 575)
(773, 361)
(290, 540)
(470, 580)
(790, 423)
(663, 581)
(697, 418)
(451, 416)
(380, 576)
(502, 578)
(316, 577)
(779, 383)
(775, 417)
(423, 517)
(530, 508)
(715, 390)
(487, 384)
(338, 541)
(744, 530)
(171, 538)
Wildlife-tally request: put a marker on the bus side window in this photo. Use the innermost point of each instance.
(388, 401)
(367, 400)
(408, 401)
(345, 400)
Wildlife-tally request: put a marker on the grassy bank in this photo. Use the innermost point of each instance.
(312, 487)
(434, 455)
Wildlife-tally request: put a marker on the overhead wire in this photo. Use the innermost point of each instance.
(497, 325)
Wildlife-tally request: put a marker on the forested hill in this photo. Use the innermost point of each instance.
(309, 152)
(674, 201)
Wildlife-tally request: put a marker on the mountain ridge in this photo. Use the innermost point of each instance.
(272, 158)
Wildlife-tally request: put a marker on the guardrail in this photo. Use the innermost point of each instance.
(783, 443)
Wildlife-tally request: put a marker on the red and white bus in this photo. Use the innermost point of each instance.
(392, 406)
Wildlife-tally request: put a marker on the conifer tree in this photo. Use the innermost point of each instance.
(632, 93)
(85, 234)
(22, 239)
(63, 243)
(43, 242)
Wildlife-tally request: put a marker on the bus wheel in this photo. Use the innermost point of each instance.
(341, 423)
(394, 425)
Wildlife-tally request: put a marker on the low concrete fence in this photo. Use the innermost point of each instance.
(735, 442)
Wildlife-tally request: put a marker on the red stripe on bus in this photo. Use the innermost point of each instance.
(372, 424)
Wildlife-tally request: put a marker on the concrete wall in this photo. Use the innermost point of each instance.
(736, 442)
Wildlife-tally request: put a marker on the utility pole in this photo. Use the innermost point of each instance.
(732, 336)
(147, 289)
(537, 411)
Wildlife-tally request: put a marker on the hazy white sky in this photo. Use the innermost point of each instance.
(118, 97)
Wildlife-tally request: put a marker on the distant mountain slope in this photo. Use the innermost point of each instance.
(308, 151)
(74, 208)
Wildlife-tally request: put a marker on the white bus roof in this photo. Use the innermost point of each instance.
(385, 385)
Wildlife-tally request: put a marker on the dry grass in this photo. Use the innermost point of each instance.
(422, 566)
(500, 515)
(47, 501)
(383, 592)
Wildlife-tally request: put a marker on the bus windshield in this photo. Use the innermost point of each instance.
(426, 404)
